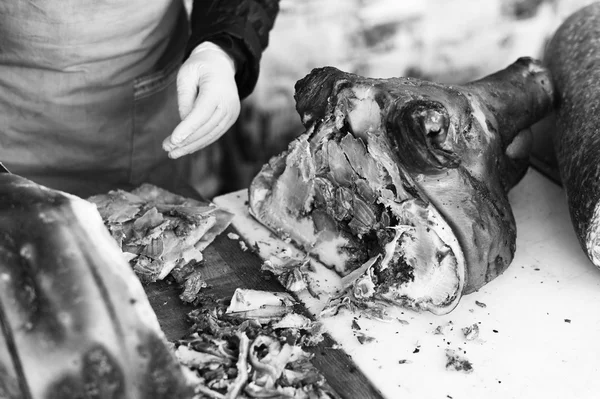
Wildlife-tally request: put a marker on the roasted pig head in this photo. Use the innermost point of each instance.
(401, 184)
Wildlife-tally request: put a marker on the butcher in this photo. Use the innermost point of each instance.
(96, 95)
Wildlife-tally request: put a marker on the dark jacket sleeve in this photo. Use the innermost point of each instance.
(240, 27)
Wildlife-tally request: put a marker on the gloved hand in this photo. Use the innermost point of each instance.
(209, 102)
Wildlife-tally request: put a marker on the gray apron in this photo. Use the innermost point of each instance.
(87, 91)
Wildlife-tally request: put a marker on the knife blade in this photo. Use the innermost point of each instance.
(3, 168)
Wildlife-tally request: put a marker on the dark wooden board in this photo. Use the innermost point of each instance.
(228, 267)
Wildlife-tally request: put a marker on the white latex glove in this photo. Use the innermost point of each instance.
(208, 98)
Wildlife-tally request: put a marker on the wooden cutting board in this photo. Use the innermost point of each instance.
(228, 266)
(539, 322)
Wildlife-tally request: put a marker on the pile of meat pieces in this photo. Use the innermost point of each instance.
(253, 349)
(158, 231)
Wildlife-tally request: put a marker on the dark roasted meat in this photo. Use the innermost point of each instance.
(400, 184)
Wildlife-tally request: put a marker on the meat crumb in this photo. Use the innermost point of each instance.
(233, 236)
(480, 304)
(471, 332)
(455, 362)
(443, 329)
(364, 339)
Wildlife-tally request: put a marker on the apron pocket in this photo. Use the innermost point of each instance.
(155, 82)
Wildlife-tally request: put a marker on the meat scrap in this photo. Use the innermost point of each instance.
(471, 332)
(194, 283)
(159, 231)
(456, 362)
(228, 353)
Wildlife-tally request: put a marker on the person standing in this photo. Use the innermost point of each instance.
(97, 95)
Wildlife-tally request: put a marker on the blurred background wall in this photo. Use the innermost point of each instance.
(449, 41)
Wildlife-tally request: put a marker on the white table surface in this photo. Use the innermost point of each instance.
(539, 330)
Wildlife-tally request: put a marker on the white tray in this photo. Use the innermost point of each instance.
(539, 330)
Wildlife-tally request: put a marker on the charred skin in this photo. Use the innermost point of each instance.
(573, 57)
(450, 152)
(75, 321)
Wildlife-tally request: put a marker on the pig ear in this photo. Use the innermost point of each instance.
(314, 91)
